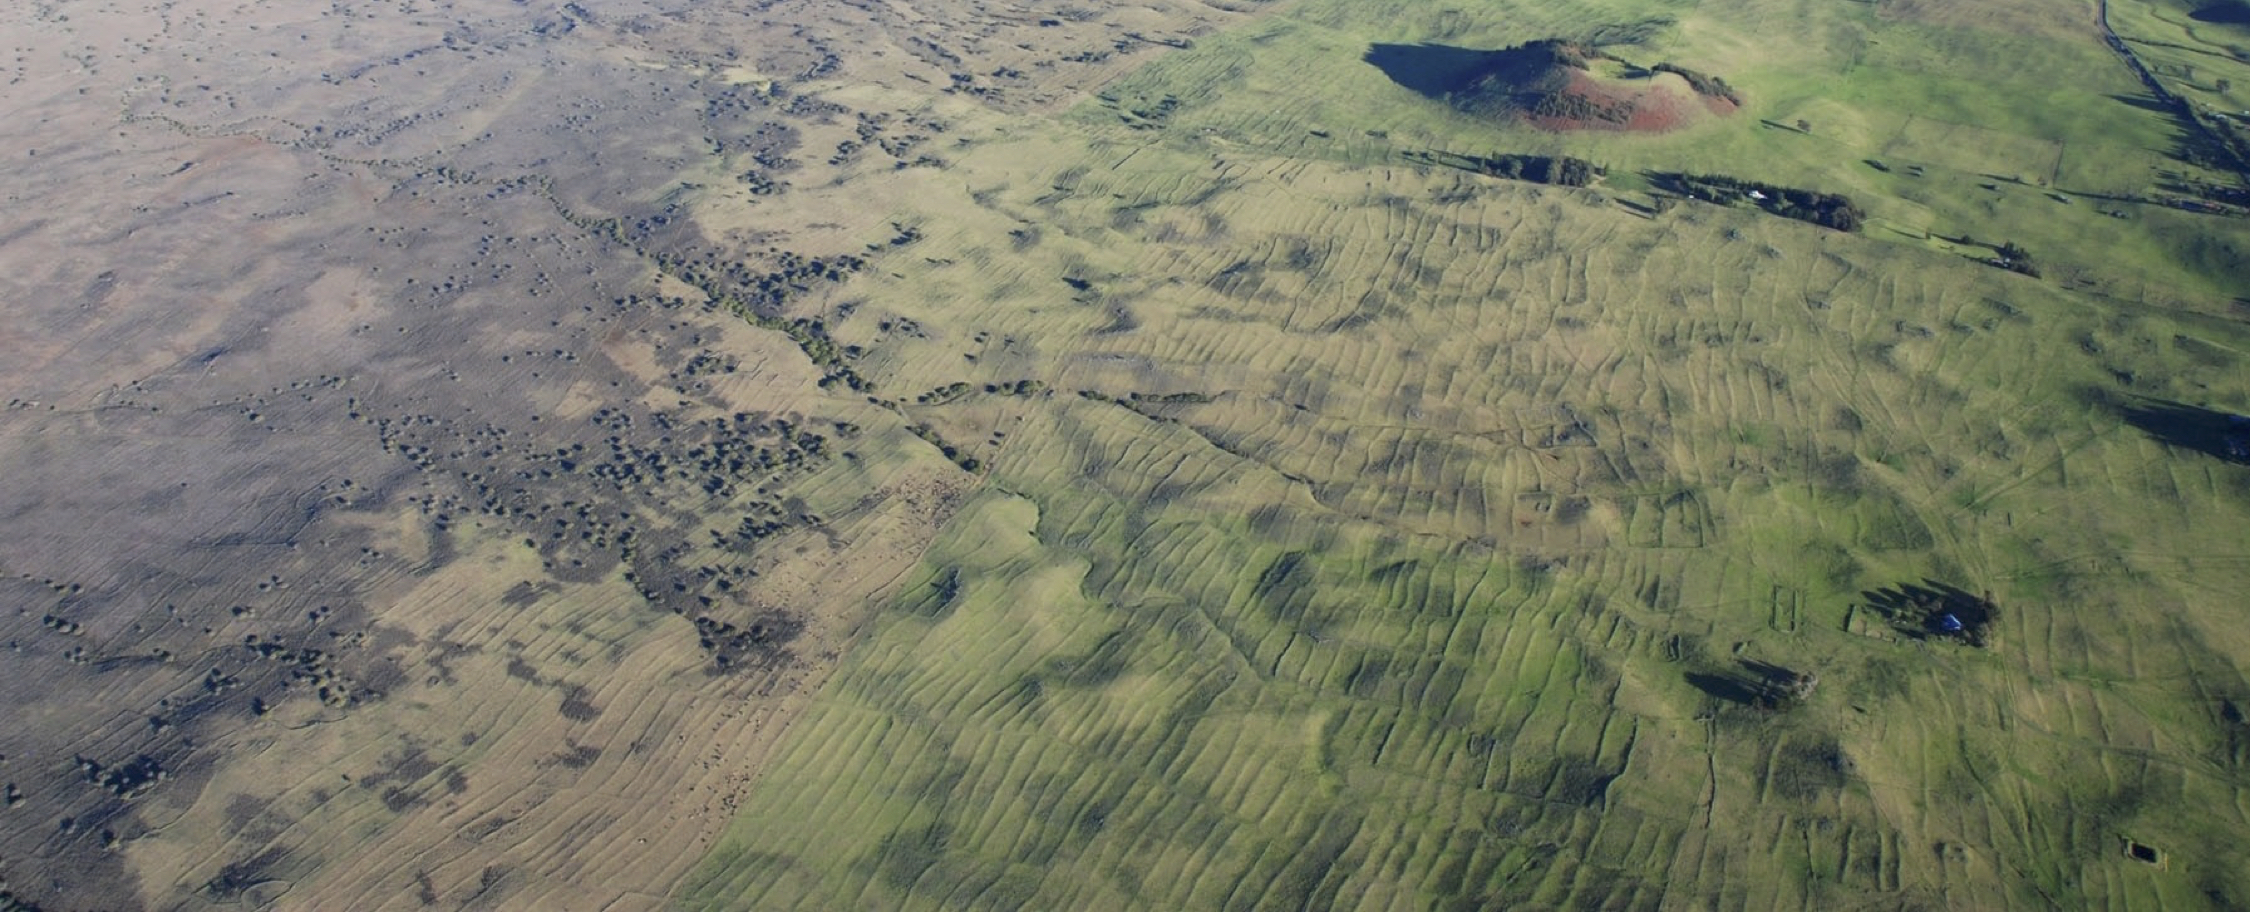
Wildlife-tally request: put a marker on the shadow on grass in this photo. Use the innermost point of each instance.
(1755, 684)
(1725, 687)
(2192, 427)
(1934, 610)
(1429, 70)
(2146, 103)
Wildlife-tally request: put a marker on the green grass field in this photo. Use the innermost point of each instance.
(1387, 537)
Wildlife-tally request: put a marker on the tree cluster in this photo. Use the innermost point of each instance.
(2012, 257)
(1828, 210)
(1560, 170)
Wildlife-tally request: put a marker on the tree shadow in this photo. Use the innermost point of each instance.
(2147, 103)
(1644, 211)
(1756, 684)
(1934, 610)
(1725, 687)
(2193, 427)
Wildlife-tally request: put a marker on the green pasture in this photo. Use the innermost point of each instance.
(2031, 113)
(1388, 538)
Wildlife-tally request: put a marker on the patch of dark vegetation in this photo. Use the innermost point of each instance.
(2013, 258)
(1828, 210)
(1758, 685)
(1559, 170)
(1307, 879)
(1022, 389)
(129, 779)
(1934, 610)
(576, 706)
(1889, 523)
(1806, 770)
(522, 670)
(10, 902)
(955, 392)
(903, 856)
(1285, 588)
(2204, 353)
(766, 638)
(401, 774)
(315, 668)
(527, 593)
(2192, 427)
(1583, 109)
(935, 600)
(1580, 781)
(968, 463)
(1170, 398)
(740, 287)
(587, 509)
(236, 878)
(951, 392)
(577, 757)
(2233, 747)
(1104, 663)
(1880, 679)
(1145, 113)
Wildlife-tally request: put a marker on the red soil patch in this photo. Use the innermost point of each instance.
(1644, 110)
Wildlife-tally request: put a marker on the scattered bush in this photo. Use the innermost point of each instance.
(1704, 84)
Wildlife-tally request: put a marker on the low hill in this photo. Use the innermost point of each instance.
(1559, 85)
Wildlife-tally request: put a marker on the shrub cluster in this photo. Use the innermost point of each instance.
(1579, 108)
(1828, 210)
(2014, 258)
(1703, 83)
(1560, 170)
